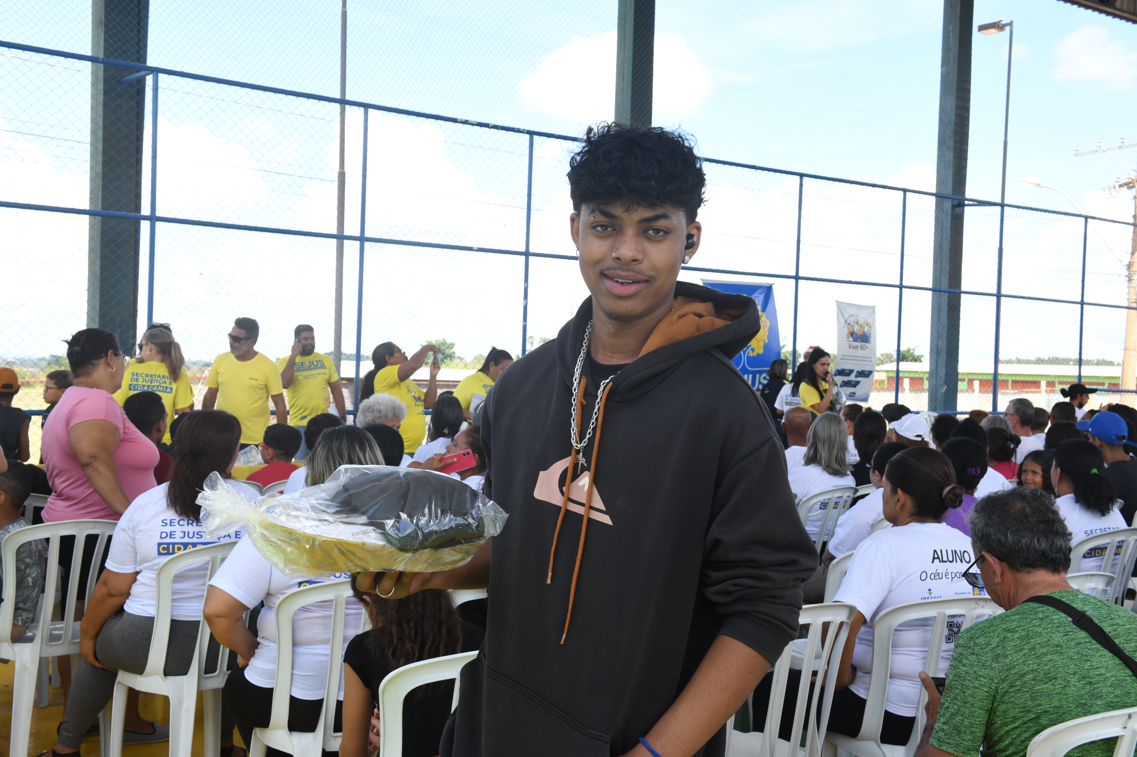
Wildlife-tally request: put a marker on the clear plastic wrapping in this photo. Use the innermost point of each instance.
(363, 518)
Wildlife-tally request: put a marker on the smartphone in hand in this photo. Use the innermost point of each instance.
(939, 682)
(459, 461)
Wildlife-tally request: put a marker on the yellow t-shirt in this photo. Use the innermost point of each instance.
(413, 428)
(810, 397)
(154, 377)
(310, 378)
(474, 385)
(243, 389)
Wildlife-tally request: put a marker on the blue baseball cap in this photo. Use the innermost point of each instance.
(1111, 428)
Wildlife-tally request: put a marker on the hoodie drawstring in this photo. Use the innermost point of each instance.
(587, 498)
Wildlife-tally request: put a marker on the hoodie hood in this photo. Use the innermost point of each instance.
(702, 319)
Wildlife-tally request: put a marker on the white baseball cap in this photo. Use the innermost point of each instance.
(912, 426)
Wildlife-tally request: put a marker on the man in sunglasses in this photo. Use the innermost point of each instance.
(1018, 673)
(242, 381)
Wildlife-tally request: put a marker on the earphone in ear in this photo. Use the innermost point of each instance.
(690, 242)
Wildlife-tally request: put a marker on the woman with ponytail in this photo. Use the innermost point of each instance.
(159, 368)
(920, 557)
(1084, 496)
(446, 420)
(1002, 445)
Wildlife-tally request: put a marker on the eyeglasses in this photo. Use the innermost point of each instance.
(238, 339)
(973, 577)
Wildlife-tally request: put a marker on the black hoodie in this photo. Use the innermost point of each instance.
(692, 532)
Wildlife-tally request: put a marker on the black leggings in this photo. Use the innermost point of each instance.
(251, 706)
(845, 716)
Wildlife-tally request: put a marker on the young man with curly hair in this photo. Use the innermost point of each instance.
(650, 571)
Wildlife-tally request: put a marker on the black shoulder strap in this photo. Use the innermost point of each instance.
(1087, 624)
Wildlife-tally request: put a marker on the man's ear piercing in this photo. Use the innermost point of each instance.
(686, 259)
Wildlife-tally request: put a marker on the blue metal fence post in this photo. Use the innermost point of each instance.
(1082, 295)
(998, 311)
(797, 272)
(900, 300)
(525, 285)
(153, 195)
(362, 234)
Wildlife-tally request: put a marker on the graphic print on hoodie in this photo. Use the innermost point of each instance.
(692, 532)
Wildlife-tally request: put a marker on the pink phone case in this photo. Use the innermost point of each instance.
(459, 461)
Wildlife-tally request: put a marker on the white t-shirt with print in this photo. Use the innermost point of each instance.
(897, 566)
(854, 456)
(795, 458)
(1028, 444)
(148, 533)
(250, 579)
(296, 481)
(426, 451)
(785, 399)
(809, 480)
(992, 481)
(856, 524)
(1083, 523)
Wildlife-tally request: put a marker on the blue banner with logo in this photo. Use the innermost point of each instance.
(754, 360)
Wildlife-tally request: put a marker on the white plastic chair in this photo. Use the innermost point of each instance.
(867, 743)
(834, 503)
(45, 637)
(325, 737)
(205, 675)
(880, 524)
(253, 485)
(828, 653)
(275, 488)
(33, 503)
(401, 682)
(1120, 546)
(1095, 583)
(864, 490)
(461, 596)
(1060, 739)
(837, 570)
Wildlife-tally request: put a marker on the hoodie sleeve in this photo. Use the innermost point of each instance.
(757, 553)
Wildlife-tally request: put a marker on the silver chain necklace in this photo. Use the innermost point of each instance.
(579, 444)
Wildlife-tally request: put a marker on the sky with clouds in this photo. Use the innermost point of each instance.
(842, 89)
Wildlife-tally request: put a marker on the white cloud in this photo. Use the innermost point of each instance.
(829, 24)
(577, 82)
(1091, 55)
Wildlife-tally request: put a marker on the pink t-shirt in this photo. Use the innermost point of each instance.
(135, 457)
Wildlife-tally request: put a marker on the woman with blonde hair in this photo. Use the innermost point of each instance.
(159, 368)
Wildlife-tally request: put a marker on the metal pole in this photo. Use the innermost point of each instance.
(1007, 110)
(362, 234)
(153, 197)
(900, 301)
(1082, 296)
(525, 285)
(340, 196)
(998, 312)
(797, 271)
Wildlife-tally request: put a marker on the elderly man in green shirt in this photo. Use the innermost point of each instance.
(1028, 669)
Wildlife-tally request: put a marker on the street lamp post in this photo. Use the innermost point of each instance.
(994, 28)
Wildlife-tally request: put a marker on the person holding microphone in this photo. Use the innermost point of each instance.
(812, 382)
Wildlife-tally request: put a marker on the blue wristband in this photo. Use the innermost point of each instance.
(647, 746)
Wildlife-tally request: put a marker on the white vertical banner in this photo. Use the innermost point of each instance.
(855, 361)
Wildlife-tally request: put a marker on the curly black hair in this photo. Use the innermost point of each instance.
(650, 168)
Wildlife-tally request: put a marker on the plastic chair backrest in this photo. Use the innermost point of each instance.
(970, 608)
(33, 503)
(98, 530)
(461, 596)
(338, 592)
(401, 682)
(880, 524)
(276, 487)
(834, 503)
(1060, 739)
(828, 652)
(254, 486)
(1122, 545)
(212, 554)
(864, 490)
(837, 570)
(1095, 583)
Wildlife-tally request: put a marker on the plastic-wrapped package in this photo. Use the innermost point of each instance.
(363, 518)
